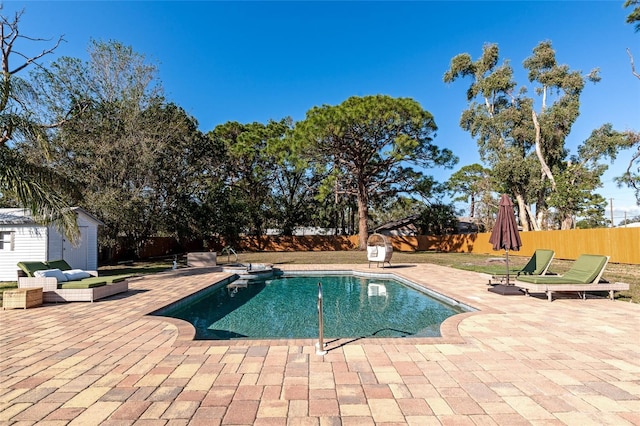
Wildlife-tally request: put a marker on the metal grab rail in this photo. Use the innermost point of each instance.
(229, 250)
(320, 346)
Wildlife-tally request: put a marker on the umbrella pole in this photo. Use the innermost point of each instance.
(507, 250)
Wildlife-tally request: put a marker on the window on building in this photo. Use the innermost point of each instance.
(6, 241)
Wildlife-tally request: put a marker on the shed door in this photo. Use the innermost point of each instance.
(76, 257)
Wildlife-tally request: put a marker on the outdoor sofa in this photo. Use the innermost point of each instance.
(61, 283)
(584, 275)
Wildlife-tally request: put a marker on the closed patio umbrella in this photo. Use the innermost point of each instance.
(505, 235)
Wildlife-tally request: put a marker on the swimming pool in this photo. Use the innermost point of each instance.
(286, 307)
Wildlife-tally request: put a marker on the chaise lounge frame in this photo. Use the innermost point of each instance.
(551, 284)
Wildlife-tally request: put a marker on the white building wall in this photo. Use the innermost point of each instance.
(54, 245)
(92, 247)
(90, 230)
(29, 243)
(59, 248)
(40, 243)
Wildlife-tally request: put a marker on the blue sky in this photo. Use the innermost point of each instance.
(255, 61)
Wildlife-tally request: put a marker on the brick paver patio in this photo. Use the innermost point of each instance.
(518, 360)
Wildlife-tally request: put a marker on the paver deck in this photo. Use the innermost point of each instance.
(518, 360)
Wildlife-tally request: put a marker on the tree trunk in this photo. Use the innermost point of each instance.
(567, 222)
(533, 224)
(363, 216)
(352, 219)
(543, 164)
(522, 212)
(473, 205)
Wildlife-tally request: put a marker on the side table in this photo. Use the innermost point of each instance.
(22, 298)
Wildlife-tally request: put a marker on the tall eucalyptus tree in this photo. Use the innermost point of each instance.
(631, 177)
(520, 137)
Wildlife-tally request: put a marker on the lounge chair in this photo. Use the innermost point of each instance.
(537, 265)
(60, 283)
(585, 275)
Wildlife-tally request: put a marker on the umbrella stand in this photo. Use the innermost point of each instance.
(507, 289)
(507, 250)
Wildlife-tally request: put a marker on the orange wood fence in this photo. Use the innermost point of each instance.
(622, 244)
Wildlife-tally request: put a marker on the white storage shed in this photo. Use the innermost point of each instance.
(22, 239)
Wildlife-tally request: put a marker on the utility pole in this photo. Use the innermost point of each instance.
(611, 207)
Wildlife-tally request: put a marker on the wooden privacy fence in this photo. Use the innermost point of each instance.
(622, 244)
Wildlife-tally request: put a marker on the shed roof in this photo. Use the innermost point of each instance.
(409, 220)
(20, 216)
(15, 217)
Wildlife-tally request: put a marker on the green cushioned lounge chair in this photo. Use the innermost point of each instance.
(87, 289)
(584, 275)
(59, 264)
(84, 283)
(537, 265)
(30, 267)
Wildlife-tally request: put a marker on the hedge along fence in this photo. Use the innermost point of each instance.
(622, 244)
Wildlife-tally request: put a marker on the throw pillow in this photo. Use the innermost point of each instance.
(55, 273)
(76, 274)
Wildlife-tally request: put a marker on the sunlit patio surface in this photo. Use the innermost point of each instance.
(517, 360)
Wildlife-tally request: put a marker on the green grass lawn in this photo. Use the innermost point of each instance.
(471, 262)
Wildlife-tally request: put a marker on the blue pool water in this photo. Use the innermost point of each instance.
(286, 307)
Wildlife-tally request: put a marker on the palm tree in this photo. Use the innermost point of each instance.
(34, 187)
